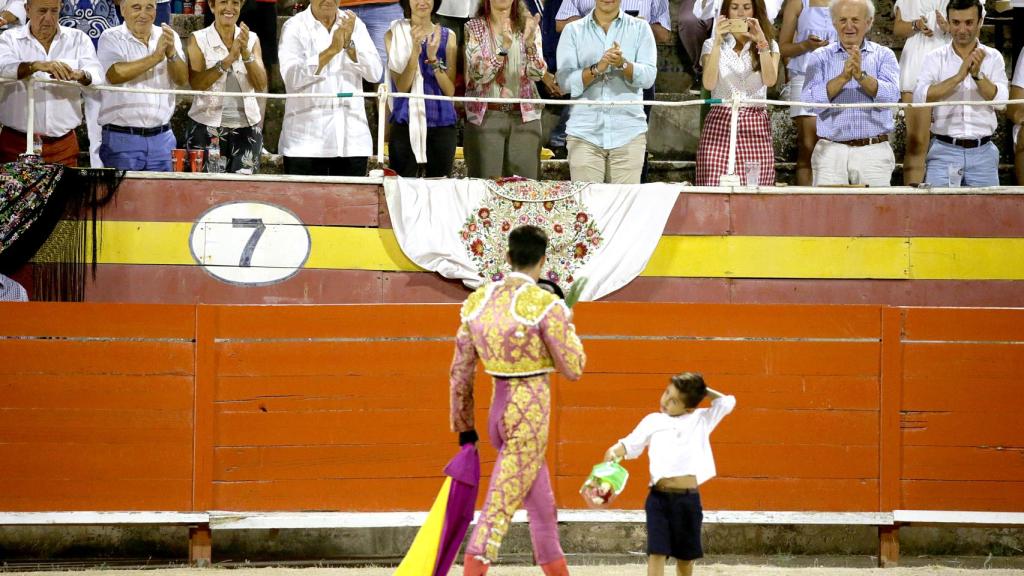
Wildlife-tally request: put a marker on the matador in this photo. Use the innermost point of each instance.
(521, 333)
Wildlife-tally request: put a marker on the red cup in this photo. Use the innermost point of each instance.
(195, 160)
(178, 160)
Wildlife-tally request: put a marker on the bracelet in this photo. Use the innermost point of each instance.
(503, 53)
(220, 66)
(437, 65)
(250, 59)
(914, 26)
(173, 57)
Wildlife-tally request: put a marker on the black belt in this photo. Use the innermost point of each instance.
(137, 131)
(963, 143)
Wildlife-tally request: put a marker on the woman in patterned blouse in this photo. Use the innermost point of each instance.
(503, 60)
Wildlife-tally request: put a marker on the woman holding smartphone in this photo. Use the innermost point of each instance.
(923, 24)
(741, 57)
(806, 26)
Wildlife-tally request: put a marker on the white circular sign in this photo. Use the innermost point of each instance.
(250, 243)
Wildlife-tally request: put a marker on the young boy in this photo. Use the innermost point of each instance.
(681, 460)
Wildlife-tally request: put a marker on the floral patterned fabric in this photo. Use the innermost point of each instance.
(27, 186)
(239, 147)
(554, 207)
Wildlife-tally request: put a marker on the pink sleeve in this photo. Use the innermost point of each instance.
(564, 345)
(461, 378)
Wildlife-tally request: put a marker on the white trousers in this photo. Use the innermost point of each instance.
(834, 164)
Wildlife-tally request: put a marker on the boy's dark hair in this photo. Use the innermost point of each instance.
(963, 5)
(691, 386)
(526, 246)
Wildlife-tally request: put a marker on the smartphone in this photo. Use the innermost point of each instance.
(738, 25)
(633, 13)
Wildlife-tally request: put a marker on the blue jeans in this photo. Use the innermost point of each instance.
(980, 165)
(131, 152)
(378, 18)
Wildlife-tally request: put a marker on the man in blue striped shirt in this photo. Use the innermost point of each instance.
(853, 145)
(607, 55)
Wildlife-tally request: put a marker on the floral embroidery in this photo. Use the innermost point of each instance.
(555, 207)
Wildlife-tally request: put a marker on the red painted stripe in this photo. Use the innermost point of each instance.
(185, 200)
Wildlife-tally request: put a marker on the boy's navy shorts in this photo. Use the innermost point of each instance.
(673, 524)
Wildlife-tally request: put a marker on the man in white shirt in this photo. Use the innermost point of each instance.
(137, 54)
(12, 13)
(45, 50)
(1016, 115)
(963, 70)
(325, 50)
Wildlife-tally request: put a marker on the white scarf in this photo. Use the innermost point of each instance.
(398, 58)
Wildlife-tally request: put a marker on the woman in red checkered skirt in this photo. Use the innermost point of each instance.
(740, 57)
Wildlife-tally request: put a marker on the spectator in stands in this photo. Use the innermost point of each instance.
(923, 24)
(138, 54)
(1016, 114)
(91, 17)
(964, 69)
(503, 60)
(853, 143)
(806, 26)
(607, 144)
(655, 12)
(45, 50)
(261, 18)
(226, 57)
(695, 22)
(742, 58)
(454, 14)
(324, 49)
(548, 86)
(421, 58)
(12, 14)
(377, 15)
(11, 291)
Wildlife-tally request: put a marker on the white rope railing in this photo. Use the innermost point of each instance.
(383, 95)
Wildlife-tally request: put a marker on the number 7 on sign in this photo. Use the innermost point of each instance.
(258, 227)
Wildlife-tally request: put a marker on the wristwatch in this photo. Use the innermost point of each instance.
(438, 65)
(220, 66)
(860, 77)
(250, 59)
(172, 57)
(351, 44)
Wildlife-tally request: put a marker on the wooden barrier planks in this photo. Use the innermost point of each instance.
(250, 408)
(963, 443)
(96, 406)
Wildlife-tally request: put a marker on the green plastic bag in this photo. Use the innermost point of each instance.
(606, 481)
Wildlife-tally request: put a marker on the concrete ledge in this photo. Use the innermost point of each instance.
(101, 518)
(960, 518)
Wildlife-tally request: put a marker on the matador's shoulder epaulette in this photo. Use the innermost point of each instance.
(475, 302)
(532, 302)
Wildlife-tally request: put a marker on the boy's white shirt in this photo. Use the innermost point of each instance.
(679, 445)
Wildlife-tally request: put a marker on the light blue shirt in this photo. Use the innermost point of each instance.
(583, 43)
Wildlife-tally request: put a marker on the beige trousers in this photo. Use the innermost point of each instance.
(591, 163)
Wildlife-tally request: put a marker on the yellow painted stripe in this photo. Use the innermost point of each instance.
(350, 248)
(779, 257)
(967, 258)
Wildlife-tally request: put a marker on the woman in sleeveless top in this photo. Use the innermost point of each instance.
(421, 60)
(226, 58)
(806, 26)
(504, 59)
(739, 61)
(923, 24)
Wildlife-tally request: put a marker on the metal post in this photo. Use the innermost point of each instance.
(382, 98)
(30, 128)
(730, 178)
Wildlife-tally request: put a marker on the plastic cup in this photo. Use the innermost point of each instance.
(752, 172)
(956, 174)
(195, 160)
(178, 160)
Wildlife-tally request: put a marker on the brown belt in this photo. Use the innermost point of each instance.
(676, 490)
(857, 143)
(502, 106)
